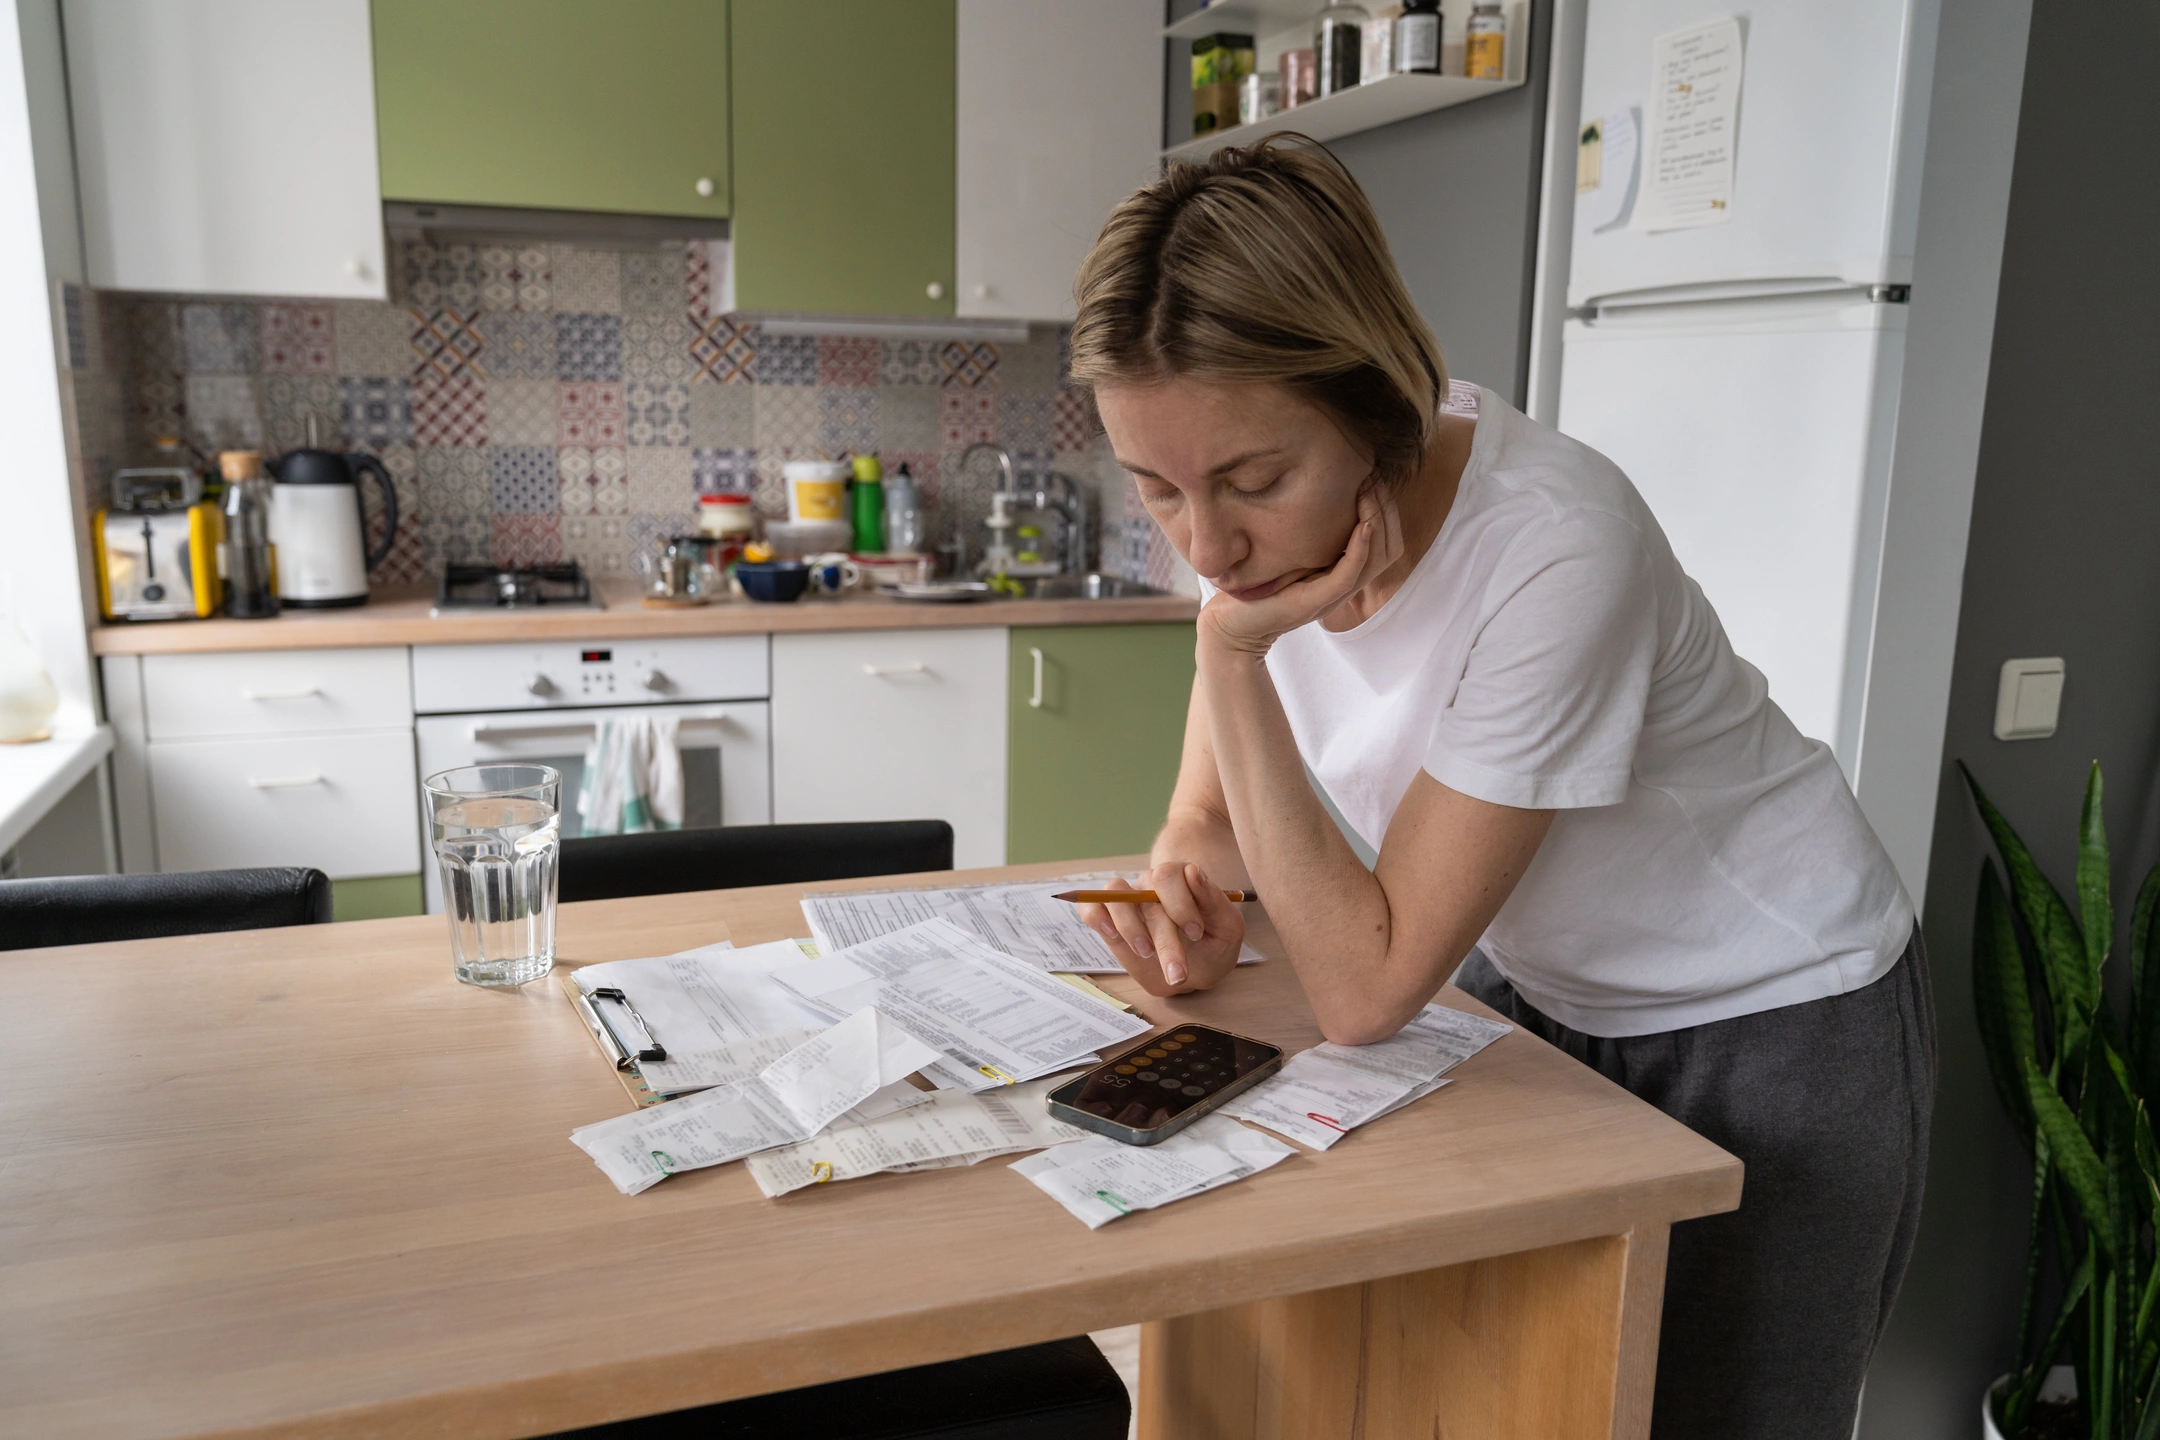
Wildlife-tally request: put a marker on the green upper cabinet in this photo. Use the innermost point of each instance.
(844, 155)
(1094, 747)
(561, 104)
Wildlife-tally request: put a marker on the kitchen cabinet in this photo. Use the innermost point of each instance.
(893, 725)
(1098, 721)
(844, 160)
(271, 757)
(226, 146)
(1058, 118)
(557, 104)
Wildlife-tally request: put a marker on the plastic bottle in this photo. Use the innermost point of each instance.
(903, 514)
(1485, 42)
(1417, 38)
(869, 506)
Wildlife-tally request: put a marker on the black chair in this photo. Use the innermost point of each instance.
(87, 909)
(611, 867)
(1063, 1390)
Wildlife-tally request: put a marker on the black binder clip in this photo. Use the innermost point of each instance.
(645, 1048)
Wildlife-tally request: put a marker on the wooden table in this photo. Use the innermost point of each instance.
(299, 1182)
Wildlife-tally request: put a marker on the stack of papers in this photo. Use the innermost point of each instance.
(1019, 920)
(1324, 1093)
(1100, 1179)
(859, 1065)
(951, 1128)
(715, 1010)
(997, 1020)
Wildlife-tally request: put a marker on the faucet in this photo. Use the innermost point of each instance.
(1070, 506)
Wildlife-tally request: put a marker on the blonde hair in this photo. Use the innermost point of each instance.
(1263, 264)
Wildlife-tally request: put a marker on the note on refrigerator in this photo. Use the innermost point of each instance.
(792, 1099)
(1019, 919)
(952, 1127)
(1099, 1179)
(999, 1020)
(1322, 1094)
(1614, 174)
(1693, 128)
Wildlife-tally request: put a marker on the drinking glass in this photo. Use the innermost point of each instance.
(497, 835)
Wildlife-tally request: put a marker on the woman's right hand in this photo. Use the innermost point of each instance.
(1189, 941)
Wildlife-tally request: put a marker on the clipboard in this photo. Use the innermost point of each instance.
(633, 1082)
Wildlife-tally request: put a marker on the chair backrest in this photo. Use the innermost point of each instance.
(608, 867)
(86, 909)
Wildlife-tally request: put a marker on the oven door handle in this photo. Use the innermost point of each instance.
(480, 734)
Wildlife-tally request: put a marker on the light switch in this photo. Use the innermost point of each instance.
(2028, 699)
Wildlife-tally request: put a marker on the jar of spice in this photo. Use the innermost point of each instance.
(726, 519)
(1297, 69)
(1339, 46)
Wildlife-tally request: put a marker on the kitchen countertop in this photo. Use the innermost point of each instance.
(400, 617)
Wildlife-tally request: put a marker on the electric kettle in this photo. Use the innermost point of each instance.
(319, 528)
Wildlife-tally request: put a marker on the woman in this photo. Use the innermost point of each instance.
(1472, 631)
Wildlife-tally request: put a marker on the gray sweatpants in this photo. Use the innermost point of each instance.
(1772, 1311)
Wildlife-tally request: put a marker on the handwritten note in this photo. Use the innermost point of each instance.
(1693, 128)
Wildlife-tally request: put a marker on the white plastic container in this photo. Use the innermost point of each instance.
(817, 491)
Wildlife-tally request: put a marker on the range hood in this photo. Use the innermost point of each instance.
(498, 224)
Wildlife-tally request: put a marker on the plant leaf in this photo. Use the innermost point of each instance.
(2002, 998)
(2094, 908)
(2144, 978)
(2041, 906)
(2075, 1158)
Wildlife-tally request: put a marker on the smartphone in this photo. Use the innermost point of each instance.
(1164, 1083)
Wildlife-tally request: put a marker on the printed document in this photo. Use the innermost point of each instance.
(950, 1128)
(980, 1007)
(708, 998)
(791, 1099)
(1020, 920)
(1324, 1093)
(1692, 124)
(1099, 1179)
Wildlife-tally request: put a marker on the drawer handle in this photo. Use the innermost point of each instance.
(913, 667)
(288, 782)
(1035, 700)
(308, 694)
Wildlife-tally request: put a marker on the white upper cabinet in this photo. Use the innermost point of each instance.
(1059, 118)
(227, 146)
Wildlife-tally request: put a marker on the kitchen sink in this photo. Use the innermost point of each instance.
(1092, 586)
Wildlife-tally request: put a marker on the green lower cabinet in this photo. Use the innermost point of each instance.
(376, 897)
(1093, 763)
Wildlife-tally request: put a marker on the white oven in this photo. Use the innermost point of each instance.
(540, 704)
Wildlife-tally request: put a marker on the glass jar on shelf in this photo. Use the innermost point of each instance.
(1339, 47)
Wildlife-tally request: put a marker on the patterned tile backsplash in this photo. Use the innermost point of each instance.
(550, 402)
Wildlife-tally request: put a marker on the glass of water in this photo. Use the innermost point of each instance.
(497, 835)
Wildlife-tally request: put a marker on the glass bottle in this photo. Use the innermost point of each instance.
(1485, 42)
(1417, 38)
(1339, 46)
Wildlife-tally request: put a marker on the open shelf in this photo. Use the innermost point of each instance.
(1243, 17)
(1382, 102)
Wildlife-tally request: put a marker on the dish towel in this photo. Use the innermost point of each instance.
(633, 777)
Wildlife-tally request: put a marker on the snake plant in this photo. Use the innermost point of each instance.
(2076, 1082)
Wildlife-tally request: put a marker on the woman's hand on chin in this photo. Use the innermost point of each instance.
(1188, 942)
(1253, 626)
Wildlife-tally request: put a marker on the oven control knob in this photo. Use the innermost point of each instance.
(658, 680)
(539, 684)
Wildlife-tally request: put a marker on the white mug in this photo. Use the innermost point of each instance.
(833, 572)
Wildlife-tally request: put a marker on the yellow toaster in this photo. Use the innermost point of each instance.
(157, 547)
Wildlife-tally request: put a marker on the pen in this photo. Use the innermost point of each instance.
(1138, 897)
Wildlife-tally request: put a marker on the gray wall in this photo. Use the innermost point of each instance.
(2066, 519)
(1456, 191)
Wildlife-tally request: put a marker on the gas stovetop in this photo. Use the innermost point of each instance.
(491, 587)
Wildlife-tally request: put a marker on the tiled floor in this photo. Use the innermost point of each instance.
(1121, 1347)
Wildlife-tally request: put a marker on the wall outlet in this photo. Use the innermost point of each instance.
(2028, 699)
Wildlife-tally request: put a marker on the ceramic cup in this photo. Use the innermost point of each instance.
(834, 572)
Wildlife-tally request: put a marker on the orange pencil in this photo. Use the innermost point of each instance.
(1137, 897)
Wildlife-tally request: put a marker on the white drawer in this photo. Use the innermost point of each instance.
(270, 692)
(348, 805)
(894, 725)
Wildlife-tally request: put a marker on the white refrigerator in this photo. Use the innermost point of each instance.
(1736, 288)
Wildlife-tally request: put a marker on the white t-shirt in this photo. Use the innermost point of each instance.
(1706, 860)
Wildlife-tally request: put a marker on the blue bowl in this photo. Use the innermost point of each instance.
(773, 580)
